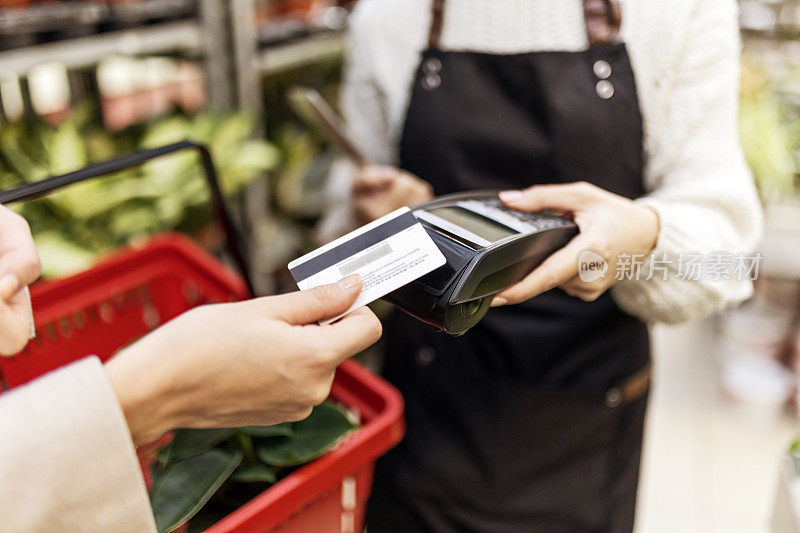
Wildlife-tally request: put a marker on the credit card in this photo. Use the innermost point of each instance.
(388, 253)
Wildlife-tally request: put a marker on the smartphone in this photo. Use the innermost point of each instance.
(311, 107)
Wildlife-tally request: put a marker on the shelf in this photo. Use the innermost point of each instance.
(87, 51)
(304, 51)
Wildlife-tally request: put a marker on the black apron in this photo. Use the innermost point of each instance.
(533, 420)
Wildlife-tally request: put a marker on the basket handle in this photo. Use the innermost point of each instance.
(233, 241)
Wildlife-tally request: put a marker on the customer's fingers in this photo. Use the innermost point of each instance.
(17, 251)
(557, 269)
(9, 285)
(14, 328)
(352, 334)
(24, 264)
(319, 303)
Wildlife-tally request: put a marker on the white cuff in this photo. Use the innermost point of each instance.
(32, 334)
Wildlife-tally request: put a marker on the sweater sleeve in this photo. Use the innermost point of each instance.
(700, 185)
(67, 462)
(363, 109)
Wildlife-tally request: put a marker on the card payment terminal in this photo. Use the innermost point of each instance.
(488, 248)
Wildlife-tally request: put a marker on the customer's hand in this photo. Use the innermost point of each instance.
(379, 190)
(610, 225)
(258, 362)
(19, 267)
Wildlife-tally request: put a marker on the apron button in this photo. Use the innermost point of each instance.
(432, 66)
(614, 398)
(602, 69)
(431, 81)
(605, 89)
(425, 356)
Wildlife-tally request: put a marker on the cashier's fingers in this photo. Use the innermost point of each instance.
(566, 197)
(587, 292)
(352, 334)
(373, 178)
(319, 303)
(558, 268)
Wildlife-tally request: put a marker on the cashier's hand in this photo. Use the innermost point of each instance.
(379, 190)
(252, 363)
(610, 225)
(19, 267)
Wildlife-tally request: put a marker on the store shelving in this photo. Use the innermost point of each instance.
(241, 44)
(309, 49)
(202, 35)
(87, 51)
(256, 59)
(775, 19)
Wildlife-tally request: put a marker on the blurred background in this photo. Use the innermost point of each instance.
(83, 81)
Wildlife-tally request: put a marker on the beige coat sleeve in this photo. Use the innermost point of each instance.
(67, 462)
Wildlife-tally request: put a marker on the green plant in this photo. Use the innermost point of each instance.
(214, 471)
(767, 132)
(72, 226)
(794, 447)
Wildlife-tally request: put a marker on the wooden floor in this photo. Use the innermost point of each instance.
(710, 465)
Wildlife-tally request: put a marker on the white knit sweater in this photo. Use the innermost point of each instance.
(685, 57)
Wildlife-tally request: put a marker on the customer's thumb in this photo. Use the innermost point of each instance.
(319, 303)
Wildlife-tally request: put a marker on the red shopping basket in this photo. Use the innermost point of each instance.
(136, 289)
(99, 311)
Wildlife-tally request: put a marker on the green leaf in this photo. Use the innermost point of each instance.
(312, 437)
(255, 473)
(187, 486)
(136, 221)
(66, 149)
(190, 442)
(278, 430)
(230, 131)
(12, 136)
(59, 256)
(794, 448)
(166, 131)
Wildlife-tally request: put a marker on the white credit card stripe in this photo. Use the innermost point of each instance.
(380, 251)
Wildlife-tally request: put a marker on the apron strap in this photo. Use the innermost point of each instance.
(437, 19)
(602, 18)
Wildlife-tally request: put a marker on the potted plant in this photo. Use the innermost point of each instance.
(205, 474)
